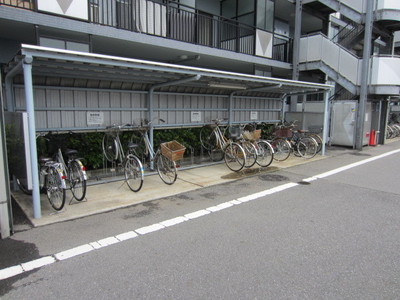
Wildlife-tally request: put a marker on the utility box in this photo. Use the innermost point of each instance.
(343, 123)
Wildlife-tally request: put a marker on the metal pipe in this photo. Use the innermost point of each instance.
(30, 109)
(9, 85)
(364, 76)
(326, 122)
(6, 222)
(283, 99)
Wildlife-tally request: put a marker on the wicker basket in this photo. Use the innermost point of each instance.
(173, 150)
(283, 132)
(252, 135)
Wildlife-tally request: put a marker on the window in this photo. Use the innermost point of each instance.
(265, 15)
(124, 14)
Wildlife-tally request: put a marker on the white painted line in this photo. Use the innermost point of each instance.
(74, 252)
(267, 192)
(126, 235)
(309, 179)
(38, 263)
(95, 245)
(213, 208)
(235, 202)
(108, 241)
(197, 214)
(10, 272)
(356, 164)
(174, 221)
(220, 206)
(148, 229)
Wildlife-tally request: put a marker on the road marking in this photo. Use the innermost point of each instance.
(47, 260)
(38, 263)
(74, 252)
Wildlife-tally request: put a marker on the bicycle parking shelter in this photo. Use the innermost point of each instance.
(63, 90)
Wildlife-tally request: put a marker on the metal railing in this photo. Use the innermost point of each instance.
(175, 21)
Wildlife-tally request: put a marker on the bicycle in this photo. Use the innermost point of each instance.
(214, 141)
(51, 182)
(75, 172)
(164, 158)
(264, 150)
(301, 145)
(113, 152)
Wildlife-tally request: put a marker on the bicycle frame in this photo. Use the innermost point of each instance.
(221, 141)
(60, 159)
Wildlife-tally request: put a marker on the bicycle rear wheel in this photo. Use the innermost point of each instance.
(281, 148)
(215, 152)
(141, 149)
(235, 157)
(133, 171)
(77, 180)
(23, 186)
(307, 147)
(166, 169)
(205, 135)
(110, 147)
(251, 153)
(318, 139)
(55, 192)
(265, 153)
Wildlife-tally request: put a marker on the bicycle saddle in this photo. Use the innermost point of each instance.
(44, 160)
(70, 152)
(132, 145)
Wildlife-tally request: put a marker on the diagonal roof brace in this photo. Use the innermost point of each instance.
(150, 100)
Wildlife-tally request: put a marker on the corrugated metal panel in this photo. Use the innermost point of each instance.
(60, 108)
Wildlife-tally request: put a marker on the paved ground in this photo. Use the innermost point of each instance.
(114, 195)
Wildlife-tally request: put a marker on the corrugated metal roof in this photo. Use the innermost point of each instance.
(144, 75)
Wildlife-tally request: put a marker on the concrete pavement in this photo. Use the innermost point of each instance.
(114, 195)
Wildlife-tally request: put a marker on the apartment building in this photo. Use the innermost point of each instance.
(189, 61)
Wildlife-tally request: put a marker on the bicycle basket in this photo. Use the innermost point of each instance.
(234, 131)
(173, 150)
(283, 132)
(252, 135)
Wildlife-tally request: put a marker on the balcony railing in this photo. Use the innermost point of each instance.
(177, 22)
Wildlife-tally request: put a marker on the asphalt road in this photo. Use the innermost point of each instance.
(305, 232)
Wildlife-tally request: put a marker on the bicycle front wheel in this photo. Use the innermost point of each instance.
(77, 180)
(281, 148)
(134, 173)
(307, 147)
(55, 192)
(205, 135)
(110, 147)
(166, 169)
(265, 153)
(235, 157)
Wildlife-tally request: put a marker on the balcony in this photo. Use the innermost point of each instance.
(177, 22)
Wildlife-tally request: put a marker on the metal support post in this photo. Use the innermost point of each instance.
(296, 50)
(5, 198)
(30, 109)
(326, 122)
(284, 97)
(364, 76)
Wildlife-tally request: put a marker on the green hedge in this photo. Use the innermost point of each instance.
(89, 145)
